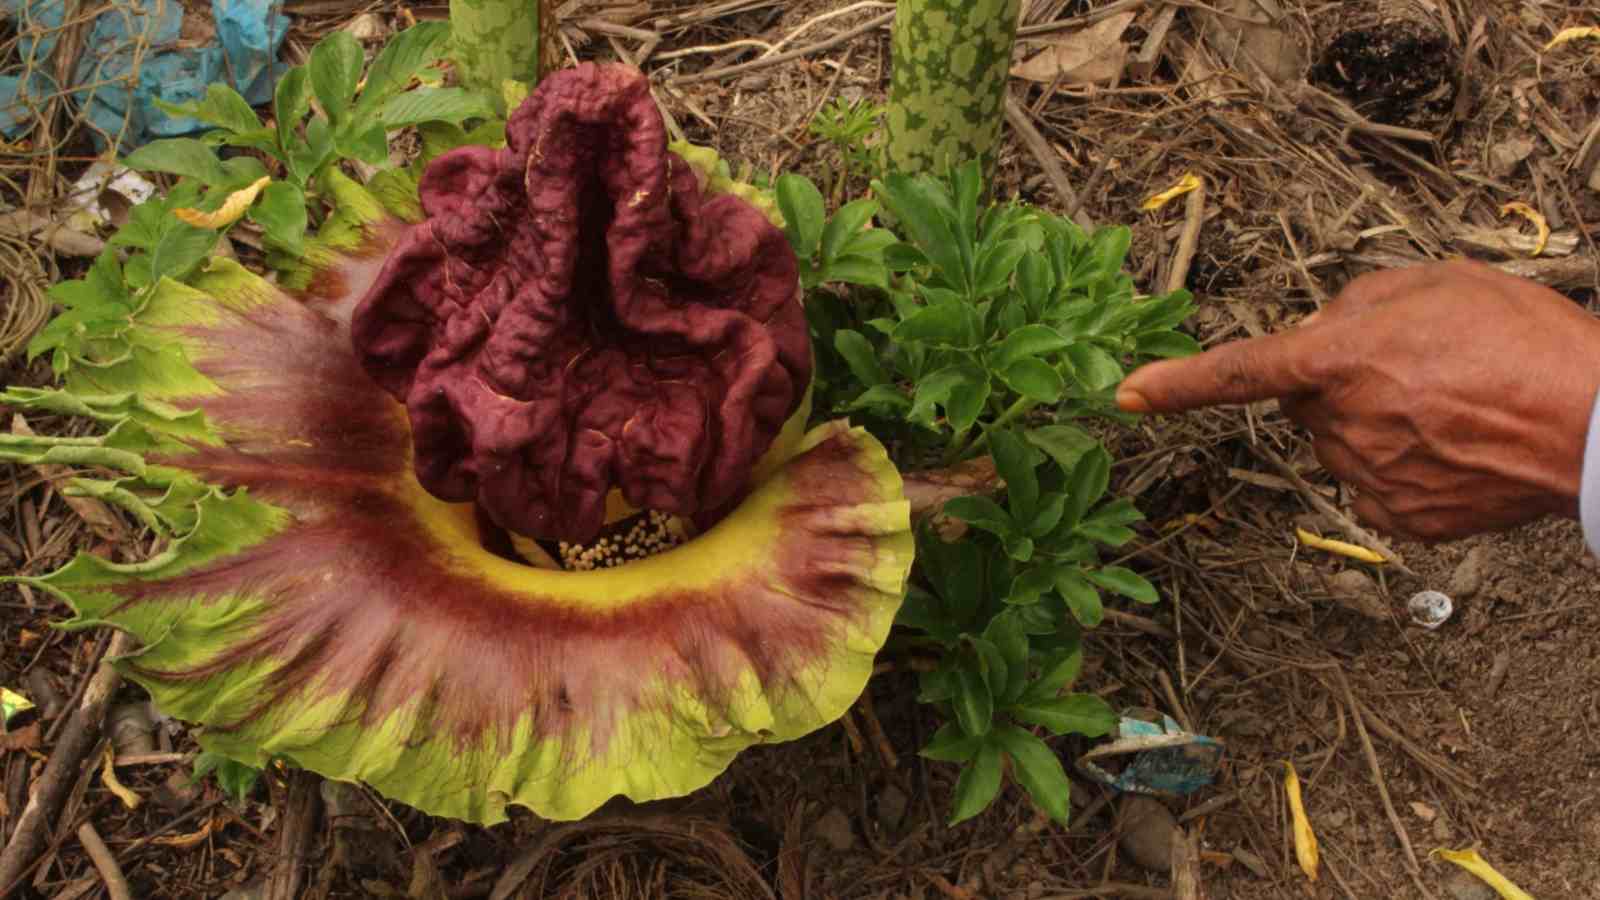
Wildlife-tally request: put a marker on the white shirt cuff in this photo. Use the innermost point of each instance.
(1589, 491)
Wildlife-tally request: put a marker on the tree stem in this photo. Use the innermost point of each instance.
(951, 60)
(496, 41)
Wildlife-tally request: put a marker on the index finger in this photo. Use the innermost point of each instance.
(1276, 365)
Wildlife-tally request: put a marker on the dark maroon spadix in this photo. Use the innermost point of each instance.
(576, 315)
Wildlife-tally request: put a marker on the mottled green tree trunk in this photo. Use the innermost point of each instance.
(496, 41)
(947, 90)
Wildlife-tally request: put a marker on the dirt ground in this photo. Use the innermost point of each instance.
(1333, 138)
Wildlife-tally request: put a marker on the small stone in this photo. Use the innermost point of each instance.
(1146, 827)
(365, 27)
(1356, 591)
(1251, 861)
(1463, 885)
(835, 831)
(1468, 576)
(892, 804)
(1507, 154)
(178, 792)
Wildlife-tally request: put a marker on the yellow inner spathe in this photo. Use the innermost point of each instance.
(745, 538)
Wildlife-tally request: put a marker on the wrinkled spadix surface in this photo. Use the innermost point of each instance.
(315, 603)
(575, 316)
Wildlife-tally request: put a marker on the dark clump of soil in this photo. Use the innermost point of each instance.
(1398, 73)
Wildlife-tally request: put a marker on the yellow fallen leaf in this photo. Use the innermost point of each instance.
(108, 777)
(1534, 216)
(1305, 840)
(12, 703)
(1472, 862)
(185, 841)
(1572, 34)
(230, 211)
(1187, 183)
(1342, 548)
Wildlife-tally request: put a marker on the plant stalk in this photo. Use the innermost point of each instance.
(951, 60)
(978, 438)
(496, 41)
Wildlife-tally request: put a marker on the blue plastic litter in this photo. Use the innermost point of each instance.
(1154, 757)
(243, 54)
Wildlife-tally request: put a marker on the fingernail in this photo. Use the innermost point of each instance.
(1130, 400)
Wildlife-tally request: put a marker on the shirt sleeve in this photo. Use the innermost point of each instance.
(1589, 491)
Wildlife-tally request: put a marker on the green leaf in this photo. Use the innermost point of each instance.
(1014, 463)
(929, 219)
(978, 784)
(1026, 342)
(949, 324)
(400, 59)
(860, 356)
(1018, 546)
(307, 157)
(1049, 515)
(935, 389)
(184, 157)
(1066, 444)
(1095, 369)
(446, 104)
(1120, 511)
(1104, 533)
(1083, 714)
(885, 398)
(1057, 673)
(335, 69)
(1108, 248)
(370, 146)
(290, 102)
(902, 257)
(949, 744)
(1081, 597)
(1086, 484)
(281, 213)
(1166, 344)
(1035, 282)
(995, 267)
(1125, 582)
(844, 226)
(957, 571)
(1160, 313)
(981, 512)
(1037, 768)
(803, 213)
(1030, 585)
(967, 400)
(1034, 379)
(179, 251)
(236, 779)
(1006, 634)
(852, 269)
(222, 107)
(973, 703)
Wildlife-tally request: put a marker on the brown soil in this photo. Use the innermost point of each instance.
(1480, 733)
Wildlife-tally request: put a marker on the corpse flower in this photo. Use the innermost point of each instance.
(396, 502)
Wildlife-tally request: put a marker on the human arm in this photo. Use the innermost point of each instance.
(1454, 397)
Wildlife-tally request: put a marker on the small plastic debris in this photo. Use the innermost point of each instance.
(12, 703)
(103, 187)
(1430, 609)
(1152, 754)
(172, 67)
